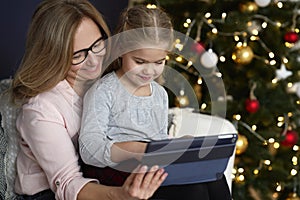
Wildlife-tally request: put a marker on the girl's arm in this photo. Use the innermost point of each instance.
(94, 145)
(121, 151)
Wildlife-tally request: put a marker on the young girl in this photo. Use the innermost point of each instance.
(127, 107)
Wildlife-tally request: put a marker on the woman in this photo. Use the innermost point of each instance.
(63, 56)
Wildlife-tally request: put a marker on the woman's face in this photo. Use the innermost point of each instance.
(85, 41)
(142, 66)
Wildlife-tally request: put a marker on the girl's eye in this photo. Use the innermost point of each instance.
(139, 62)
(160, 62)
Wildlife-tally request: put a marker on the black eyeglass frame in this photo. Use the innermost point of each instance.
(86, 51)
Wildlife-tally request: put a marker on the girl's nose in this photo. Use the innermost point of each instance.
(148, 69)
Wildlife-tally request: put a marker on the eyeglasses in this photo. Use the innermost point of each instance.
(97, 47)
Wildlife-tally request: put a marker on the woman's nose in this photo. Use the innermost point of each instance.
(92, 59)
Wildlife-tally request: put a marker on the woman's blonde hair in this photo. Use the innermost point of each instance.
(49, 45)
(141, 27)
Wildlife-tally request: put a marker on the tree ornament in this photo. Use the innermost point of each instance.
(294, 89)
(293, 196)
(252, 104)
(291, 37)
(262, 3)
(198, 47)
(241, 144)
(209, 59)
(291, 138)
(248, 7)
(282, 73)
(242, 55)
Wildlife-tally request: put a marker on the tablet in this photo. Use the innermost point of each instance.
(191, 160)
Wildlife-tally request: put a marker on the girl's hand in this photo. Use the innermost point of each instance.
(142, 184)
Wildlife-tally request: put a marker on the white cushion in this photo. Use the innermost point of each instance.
(187, 122)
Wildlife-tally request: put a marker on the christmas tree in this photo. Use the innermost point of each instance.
(253, 47)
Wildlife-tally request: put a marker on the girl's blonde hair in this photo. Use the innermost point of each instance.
(49, 45)
(141, 27)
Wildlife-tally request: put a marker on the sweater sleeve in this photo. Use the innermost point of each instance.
(94, 144)
(165, 100)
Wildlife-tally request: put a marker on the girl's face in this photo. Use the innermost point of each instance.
(142, 66)
(85, 41)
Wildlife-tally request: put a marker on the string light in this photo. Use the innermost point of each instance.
(222, 58)
(255, 172)
(179, 59)
(271, 140)
(203, 106)
(280, 4)
(295, 148)
(151, 6)
(271, 55)
(278, 187)
(276, 145)
(190, 63)
(199, 81)
(293, 172)
(237, 117)
(295, 160)
(267, 162)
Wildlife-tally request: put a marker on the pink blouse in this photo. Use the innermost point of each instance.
(49, 124)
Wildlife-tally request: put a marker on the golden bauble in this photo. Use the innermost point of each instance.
(248, 7)
(241, 144)
(293, 196)
(242, 55)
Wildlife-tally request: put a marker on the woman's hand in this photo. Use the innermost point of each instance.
(142, 184)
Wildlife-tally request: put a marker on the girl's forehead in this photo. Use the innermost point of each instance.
(150, 55)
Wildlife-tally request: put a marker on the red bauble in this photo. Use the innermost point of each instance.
(291, 138)
(198, 47)
(291, 37)
(252, 105)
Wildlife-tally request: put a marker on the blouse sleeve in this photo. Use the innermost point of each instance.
(43, 129)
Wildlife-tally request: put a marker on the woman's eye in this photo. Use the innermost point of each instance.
(76, 56)
(97, 44)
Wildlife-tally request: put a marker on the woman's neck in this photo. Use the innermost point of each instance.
(80, 86)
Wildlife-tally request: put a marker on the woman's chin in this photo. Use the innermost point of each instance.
(90, 74)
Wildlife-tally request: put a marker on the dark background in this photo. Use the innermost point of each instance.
(14, 20)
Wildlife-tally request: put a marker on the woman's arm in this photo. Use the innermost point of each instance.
(139, 185)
